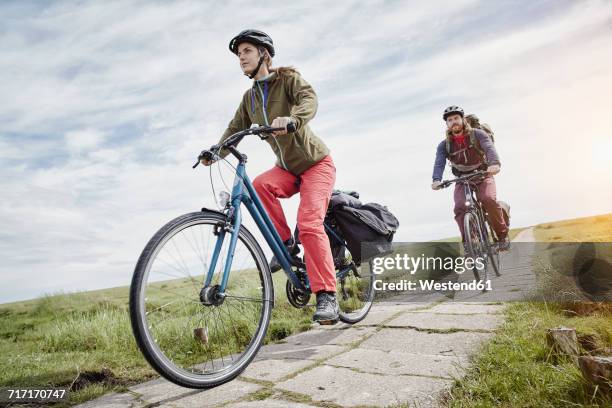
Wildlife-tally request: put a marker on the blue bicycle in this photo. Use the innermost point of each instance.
(202, 293)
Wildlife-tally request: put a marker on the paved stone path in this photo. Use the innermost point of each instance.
(404, 353)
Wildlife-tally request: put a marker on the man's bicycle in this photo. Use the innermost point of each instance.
(478, 234)
(202, 294)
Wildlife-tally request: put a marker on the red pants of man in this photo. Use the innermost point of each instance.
(487, 195)
(315, 191)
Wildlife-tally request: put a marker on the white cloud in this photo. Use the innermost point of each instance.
(78, 141)
(104, 108)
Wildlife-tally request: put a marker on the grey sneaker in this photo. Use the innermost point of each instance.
(293, 249)
(327, 309)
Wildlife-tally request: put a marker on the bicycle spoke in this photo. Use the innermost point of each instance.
(205, 340)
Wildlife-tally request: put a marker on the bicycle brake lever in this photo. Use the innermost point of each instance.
(207, 155)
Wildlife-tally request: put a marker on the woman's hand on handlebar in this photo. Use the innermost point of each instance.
(207, 157)
(281, 122)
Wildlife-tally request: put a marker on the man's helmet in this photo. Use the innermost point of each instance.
(256, 37)
(452, 110)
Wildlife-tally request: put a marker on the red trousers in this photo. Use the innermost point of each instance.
(487, 195)
(315, 191)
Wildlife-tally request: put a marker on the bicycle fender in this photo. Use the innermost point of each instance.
(204, 209)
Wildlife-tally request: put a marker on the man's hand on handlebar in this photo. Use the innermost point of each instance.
(493, 169)
(281, 122)
(436, 185)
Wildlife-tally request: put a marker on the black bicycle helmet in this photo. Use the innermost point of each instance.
(252, 36)
(452, 110)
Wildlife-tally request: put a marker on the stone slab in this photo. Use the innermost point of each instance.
(399, 363)
(334, 337)
(274, 370)
(268, 403)
(350, 388)
(465, 308)
(381, 312)
(420, 342)
(297, 351)
(112, 401)
(159, 390)
(222, 394)
(447, 321)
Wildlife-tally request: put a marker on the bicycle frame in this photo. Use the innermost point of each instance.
(476, 208)
(243, 192)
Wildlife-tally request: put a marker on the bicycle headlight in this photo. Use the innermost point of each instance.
(468, 203)
(224, 198)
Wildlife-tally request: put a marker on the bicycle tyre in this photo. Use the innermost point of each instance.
(138, 314)
(493, 253)
(366, 301)
(473, 240)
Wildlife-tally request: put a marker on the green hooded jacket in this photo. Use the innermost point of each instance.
(282, 93)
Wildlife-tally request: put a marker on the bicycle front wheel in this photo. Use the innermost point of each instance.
(189, 332)
(474, 243)
(493, 252)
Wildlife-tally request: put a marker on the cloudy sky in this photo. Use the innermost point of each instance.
(105, 105)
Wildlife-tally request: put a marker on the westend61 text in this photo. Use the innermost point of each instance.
(429, 285)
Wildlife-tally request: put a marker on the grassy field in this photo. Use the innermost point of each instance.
(511, 234)
(84, 341)
(587, 229)
(516, 368)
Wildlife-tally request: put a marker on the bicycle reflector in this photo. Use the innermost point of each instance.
(224, 198)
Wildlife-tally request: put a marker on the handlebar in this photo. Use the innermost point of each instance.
(234, 139)
(467, 177)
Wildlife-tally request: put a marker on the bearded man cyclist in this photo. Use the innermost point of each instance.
(470, 150)
(277, 97)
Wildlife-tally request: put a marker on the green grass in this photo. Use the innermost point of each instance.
(86, 337)
(511, 234)
(587, 229)
(515, 369)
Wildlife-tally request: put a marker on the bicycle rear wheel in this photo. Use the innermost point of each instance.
(189, 333)
(354, 291)
(475, 243)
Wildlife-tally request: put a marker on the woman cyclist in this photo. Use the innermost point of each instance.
(280, 96)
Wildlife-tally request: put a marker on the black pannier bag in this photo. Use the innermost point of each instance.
(367, 228)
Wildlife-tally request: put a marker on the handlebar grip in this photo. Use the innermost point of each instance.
(291, 127)
(206, 155)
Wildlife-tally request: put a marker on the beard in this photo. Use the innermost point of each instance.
(457, 129)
